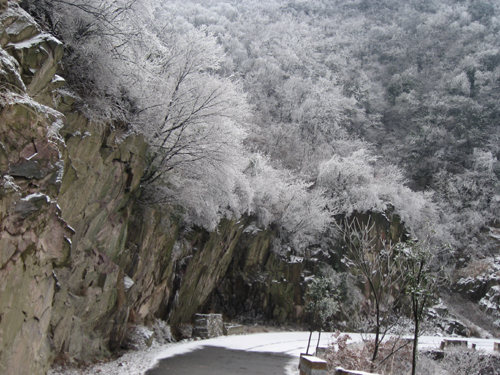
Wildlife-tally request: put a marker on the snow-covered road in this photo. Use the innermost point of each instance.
(294, 343)
(289, 343)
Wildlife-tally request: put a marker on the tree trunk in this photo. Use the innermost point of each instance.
(415, 337)
(377, 336)
(377, 328)
(309, 342)
(319, 337)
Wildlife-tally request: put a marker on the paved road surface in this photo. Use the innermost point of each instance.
(264, 353)
(212, 360)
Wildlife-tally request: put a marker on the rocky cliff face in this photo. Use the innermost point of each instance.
(260, 284)
(65, 195)
(34, 239)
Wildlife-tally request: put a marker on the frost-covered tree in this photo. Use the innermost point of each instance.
(322, 304)
(358, 182)
(415, 262)
(187, 113)
(99, 38)
(413, 82)
(142, 74)
(287, 203)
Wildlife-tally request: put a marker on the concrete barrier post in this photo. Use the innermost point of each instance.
(310, 365)
(233, 329)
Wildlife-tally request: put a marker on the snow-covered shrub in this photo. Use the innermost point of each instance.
(348, 296)
(470, 199)
(141, 337)
(461, 361)
(476, 268)
(206, 191)
(162, 332)
(322, 300)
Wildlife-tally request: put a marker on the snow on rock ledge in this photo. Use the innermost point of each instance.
(490, 304)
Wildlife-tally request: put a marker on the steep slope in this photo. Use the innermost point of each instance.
(34, 239)
(61, 290)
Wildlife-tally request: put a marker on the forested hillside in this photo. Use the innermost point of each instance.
(368, 98)
(348, 105)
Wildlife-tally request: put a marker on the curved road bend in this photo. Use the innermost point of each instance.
(212, 360)
(255, 354)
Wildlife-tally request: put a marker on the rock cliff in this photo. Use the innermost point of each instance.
(66, 194)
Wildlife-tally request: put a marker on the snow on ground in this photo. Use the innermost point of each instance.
(290, 343)
(131, 363)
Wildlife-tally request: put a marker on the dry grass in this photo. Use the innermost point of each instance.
(394, 356)
(460, 361)
(456, 361)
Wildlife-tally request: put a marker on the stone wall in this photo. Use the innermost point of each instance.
(208, 325)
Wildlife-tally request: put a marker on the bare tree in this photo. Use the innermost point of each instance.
(375, 260)
(420, 284)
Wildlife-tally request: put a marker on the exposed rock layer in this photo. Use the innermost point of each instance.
(65, 195)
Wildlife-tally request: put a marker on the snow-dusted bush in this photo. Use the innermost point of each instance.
(470, 199)
(206, 192)
(141, 337)
(461, 361)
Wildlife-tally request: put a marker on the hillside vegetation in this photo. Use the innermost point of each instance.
(349, 105)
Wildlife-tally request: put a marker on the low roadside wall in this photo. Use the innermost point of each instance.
(310, 365)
